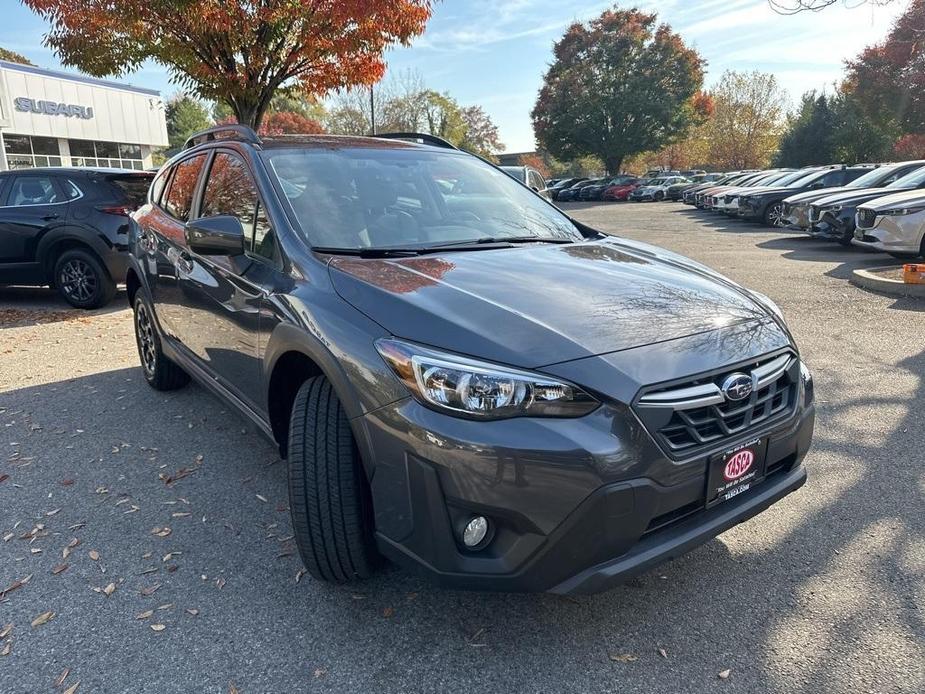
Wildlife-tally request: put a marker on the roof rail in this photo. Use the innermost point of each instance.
(223, 132)
(421, 138)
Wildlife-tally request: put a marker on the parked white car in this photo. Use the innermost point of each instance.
(894, 224)
(656, 190)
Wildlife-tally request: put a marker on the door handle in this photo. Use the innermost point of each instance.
(49, 217)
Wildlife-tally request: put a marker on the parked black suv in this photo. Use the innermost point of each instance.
(462, 377)
(68, 228)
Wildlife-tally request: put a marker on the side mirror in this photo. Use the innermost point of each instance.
(219, 235)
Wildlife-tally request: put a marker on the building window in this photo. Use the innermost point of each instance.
(106, 154)
(25, 152)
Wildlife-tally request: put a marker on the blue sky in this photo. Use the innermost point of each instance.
(494, 52)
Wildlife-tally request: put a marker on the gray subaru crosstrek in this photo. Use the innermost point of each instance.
(462, 378)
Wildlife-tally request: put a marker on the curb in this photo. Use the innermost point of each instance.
(869, 279)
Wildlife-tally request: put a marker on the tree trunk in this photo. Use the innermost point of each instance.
(613, 163)
(250, 113)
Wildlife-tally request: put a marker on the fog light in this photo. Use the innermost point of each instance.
(475, 531)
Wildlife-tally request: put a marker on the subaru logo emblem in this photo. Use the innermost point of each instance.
(737, 387)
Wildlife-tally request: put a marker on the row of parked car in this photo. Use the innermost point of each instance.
(876, 206)
(655, 186)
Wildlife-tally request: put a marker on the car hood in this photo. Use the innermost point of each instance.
(896, 199)
(857, 196)
(818, 194)
(542, 304)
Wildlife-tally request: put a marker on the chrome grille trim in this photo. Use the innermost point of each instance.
(693, 417)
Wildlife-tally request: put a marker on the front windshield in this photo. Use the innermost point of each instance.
(657, 182)
(910, 180)
(384, 198)
(801, 179)
(872, 178)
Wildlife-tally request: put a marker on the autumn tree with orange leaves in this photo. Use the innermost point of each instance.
(239, 52)
(619, 85)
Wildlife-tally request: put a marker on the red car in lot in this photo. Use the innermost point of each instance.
(622, 190)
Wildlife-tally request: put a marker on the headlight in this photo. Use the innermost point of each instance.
(901, 211)
(467, 387)
(805, 373)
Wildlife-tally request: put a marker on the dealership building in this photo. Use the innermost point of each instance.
(50, 118)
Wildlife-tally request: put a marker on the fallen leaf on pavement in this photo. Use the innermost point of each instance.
(72, 688)
(623, 657)
(388, 611)
(320, 672)
(220, 582)
(7, 648)
(94, 555)
(161, 532)
(150, 590)
(109, 589)
(15, 585)
(262, 498)
(192, 611)
(232, 689)
(5, 631)
(724, 675)
(170, 555)
(299, 574)
(4, 477)
(662, 652)
(66, 483)
(181, 514)
(158, 627)
(53, 512)
(144, 615)
(42, 618)
(63, 676)
(59, 569)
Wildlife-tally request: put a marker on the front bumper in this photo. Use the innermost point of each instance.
(899, 234)
(574, 504)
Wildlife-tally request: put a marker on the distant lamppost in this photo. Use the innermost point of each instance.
(372, 110)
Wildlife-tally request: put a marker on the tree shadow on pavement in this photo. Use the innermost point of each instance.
(736, 602)
(21, 306)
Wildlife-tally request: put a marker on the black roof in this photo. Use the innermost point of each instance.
(78, 171)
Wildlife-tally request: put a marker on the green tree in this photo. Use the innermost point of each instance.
(619, 85)
(856, 137)
(481, 133)
(809, 137)
(185, 116)
(13, 57)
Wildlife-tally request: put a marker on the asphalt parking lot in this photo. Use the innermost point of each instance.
(155, 528)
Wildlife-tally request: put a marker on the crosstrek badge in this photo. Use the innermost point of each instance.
(738, 465)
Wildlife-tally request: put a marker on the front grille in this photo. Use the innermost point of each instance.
(866, 217)
(815, 213)
(689, 417)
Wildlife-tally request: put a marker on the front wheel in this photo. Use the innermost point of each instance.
(659, 196)
(846, 237)
(329, 496)
(774, 215)
(159, 371)
(82, 280)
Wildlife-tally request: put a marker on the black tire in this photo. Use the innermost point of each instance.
(82, 280)
(774, 215)
(846, 237)
(328, 493)
(659, 196)
(158, 370)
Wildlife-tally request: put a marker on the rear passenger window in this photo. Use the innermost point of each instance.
(33, 190)
(182, 186)
(231, 190)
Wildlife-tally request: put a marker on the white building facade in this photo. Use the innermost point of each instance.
(50, 118)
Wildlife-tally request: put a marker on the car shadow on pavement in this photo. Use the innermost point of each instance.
(722, 223)
(123, 462)
(34, 305)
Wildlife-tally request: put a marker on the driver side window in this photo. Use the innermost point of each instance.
(230, 190)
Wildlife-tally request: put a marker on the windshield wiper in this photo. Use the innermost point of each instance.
(483, 243)
(385, 252)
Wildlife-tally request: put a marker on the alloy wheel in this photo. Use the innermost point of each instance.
(147, 348)
(776, 215)
(78, 280)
